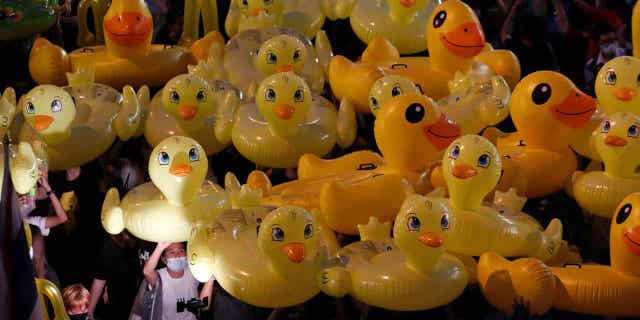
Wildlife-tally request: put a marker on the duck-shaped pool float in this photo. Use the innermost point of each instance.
(409, 131)
(454, 39)
(177, 197)
(549, 112)
(252, 55)
(76, 124)
(401, 277)
(188, 106)
(285, 122)
(587, 288)
(306, 17)
(599, 192)
(471, 169)
(22, 19)
(127, 58)
(400, 21)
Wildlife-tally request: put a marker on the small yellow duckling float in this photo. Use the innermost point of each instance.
(549, 112)
(400, 21)
(285, 122)
(177, 197)
(401, 277)
(591, 289)
(471, 169)
(252, 55)
(599, 192)
(74, 125)
(127, 58)
(387, 88)
(188, 106)
(454, 39)
(306, 17)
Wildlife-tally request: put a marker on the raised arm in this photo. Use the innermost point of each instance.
(96, 292)
(149, 269)
(207, 291)
(61, 215)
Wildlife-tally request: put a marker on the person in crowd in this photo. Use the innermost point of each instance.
(44, 191)
(178, 284)
(76, 300)
(608, 48)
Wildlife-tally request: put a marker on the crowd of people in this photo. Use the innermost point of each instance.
(120, 277)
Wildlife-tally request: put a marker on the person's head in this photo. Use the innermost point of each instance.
(175, 257)
(124, 239)
(76, 300)
(607, 40)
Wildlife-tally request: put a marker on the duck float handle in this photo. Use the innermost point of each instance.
(85, 36)
(193, 10)
(47, 289)
(635, 30)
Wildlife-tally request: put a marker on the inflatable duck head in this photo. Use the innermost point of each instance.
(405, 10)
(178, 166)
(286, 237)
(617, 144)
(410, 132)
(548, 110)
(625, 236)
(454, 35)
(617, 85)
(128, 28)
(389, 87)
(281, 53)
(188, 98)
(283, 99)
(472, 168)
(49, 110)
(257, 8)
(7, 109)
(419, 231)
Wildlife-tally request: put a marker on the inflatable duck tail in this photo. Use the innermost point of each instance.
(48, 63)
(24, 169)
(129, 116)
(522, 283)
(347, 126)
(492, 109)
(200, 255)
(545, 245)
(144, 99)
(324, 51)
(7, 109)
(335, 281)
(112, 215)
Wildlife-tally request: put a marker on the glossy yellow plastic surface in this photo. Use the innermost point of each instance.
(127, 58)
(549, 112)
(590, 289)
(471, 168)
(76, 124)
(388, 87)
(616, 141)
(189, 106)
(285, 122)
(177, 197)
(98, 9)
(454, 39)
(304, 16)
(193, 11)
(49, 290)
(617, 85)
(400, 274)
(635, 30)
(252, 55)
(311, 166)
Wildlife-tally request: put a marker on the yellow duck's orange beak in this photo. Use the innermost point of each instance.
(187, 112)
(442, 133)
(625, 94)
(284, 111)
(407, 3)
(464, 171)
(256, 11)
(465, 41)
(128, 28)
(284, 68)
(294, 251)
(575, 110)
(615, 141)
(631, 238)
(42, 122)
(431, 239)
(180, 170)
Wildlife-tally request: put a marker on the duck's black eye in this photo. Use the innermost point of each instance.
(201, 96)
(541, 94)
(277, 234)
(56, 105)
(438, 21)
(396, 91)
(484, 161)
(415, 113)
(632, 131)
(271, 58)
(163, 158)
(31, 109)
(308, 231)
(270, 95)
(455, 152)
(444, 222)
(245, 3)
(606, 126)
(610, 77)
(623, 213)
(298, 96)
(297, 55)
(174, 97)
(193, 154)
(413, 223)
(374, 103)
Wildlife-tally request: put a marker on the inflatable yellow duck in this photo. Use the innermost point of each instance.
(304, 16)
(177, 197)
(471, 169)
(76, 124)
(252, 55)
(401, 277)
(387, 88)
(188, 106)
(400, 21)
(591, 289)
(285, 122)
(127, 58)
(454, 39)
(549, 112)
(599, 192)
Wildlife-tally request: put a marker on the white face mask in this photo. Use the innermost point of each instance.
(177, 264)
